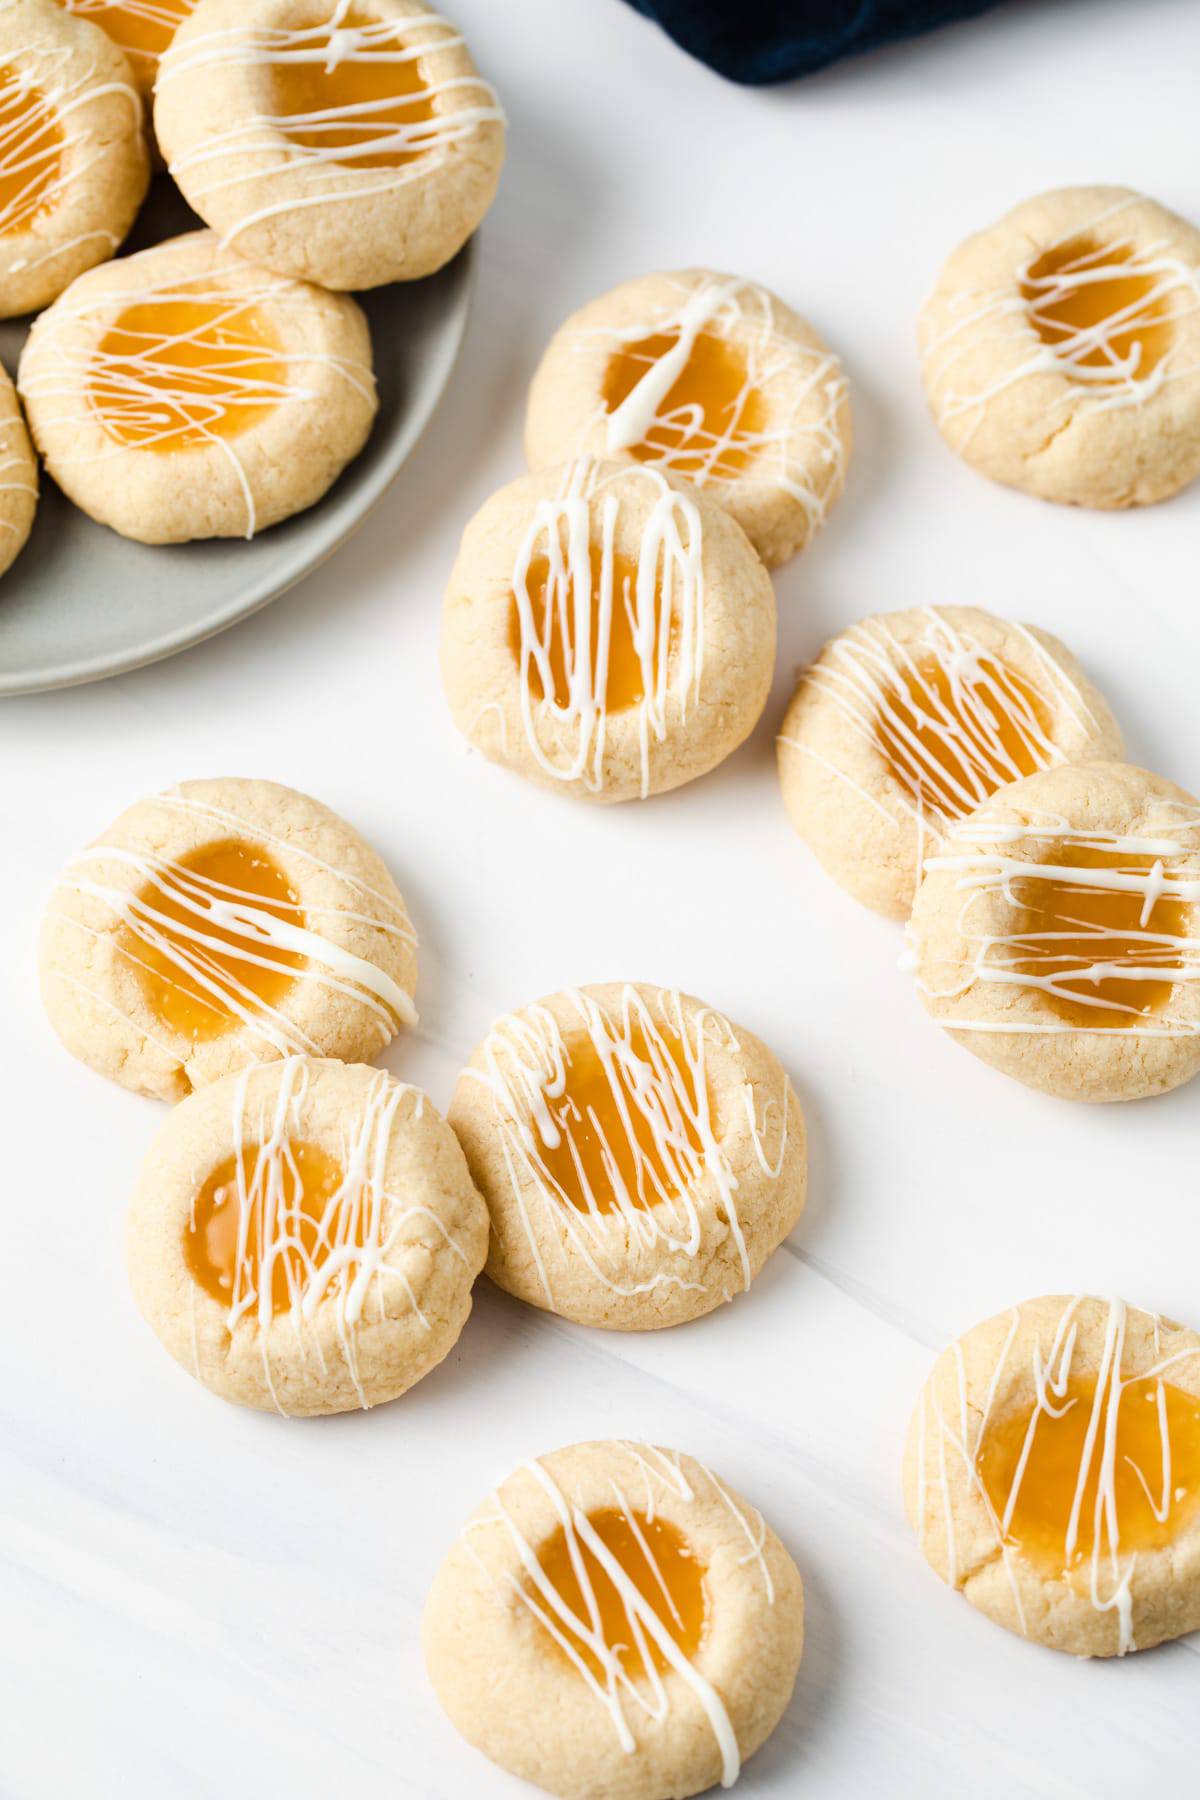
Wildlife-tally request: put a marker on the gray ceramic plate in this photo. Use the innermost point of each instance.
(81, 602)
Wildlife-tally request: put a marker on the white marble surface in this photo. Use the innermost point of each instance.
(202, 1602)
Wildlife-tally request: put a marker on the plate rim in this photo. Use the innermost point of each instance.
(52, 678)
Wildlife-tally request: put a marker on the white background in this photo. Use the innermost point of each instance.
(199, 1601)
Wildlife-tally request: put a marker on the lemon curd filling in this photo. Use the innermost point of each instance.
(31, 142)
(142, 28)
(1090, 306)
(1087, 944)
(626, 1123)
(711, 422)
(556, 611)
(286, 1235)
(951, 746)
(1142, 1490)
(364, 100)
(662, 1567)
(174, 372)
(190, 964)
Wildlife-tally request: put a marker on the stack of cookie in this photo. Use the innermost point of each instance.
(221, 381)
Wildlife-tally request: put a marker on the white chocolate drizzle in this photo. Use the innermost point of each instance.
(660, 1473)
(886, 690)
(683, 1196)
(804, 456)
(663, 607)
(265, 146)
(1116, 381)
(262, 940)
(1162, 866)
(360, 1226)
(961, 1442)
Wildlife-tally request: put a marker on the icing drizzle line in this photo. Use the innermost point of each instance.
(526, 1070)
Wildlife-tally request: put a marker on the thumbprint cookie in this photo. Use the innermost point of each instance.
(608, 632)
(640, 1156)
(1052, 1474)
(140, 28)
(909, 721)
(304, 1237)
(73, 161)
(346, 142)
(224, 923)
(615, 1621)
(1061, 349)
(183, 393)
(1057, 932)
(18, 476)
(709, 378)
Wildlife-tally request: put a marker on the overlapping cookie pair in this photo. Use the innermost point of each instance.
(219, 382)
(958, 770)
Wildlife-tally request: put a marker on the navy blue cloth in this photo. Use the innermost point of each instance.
(773, 40)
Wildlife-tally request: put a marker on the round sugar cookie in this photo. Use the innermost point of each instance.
(1061, 349)
(709, 378)
(141, 29)
(614, 1620)
(346, 142)
(304, 1237)
(224, 923)
(640, 1157)
(1057, 932)
(18, 476)
(909, 720)
(73, 161)
(680, 643)
(1052, 1473)
(183, 393)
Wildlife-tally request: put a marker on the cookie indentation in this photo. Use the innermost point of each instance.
(141, 28)
(597, 646)
(31, 141)
(711, 422)
(264, 1226)
(351, 90)
(1100, 306)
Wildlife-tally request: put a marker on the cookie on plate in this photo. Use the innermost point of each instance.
(608, 631)
(225, 923)
(1057, 933)
(640, 1156)
(1061, 348)
(909, 721)
(615, 1620)
(73, 161)
(346, 142)
(183, 393)
(304, 1237)
(18, 476)
(706, 377)
(1052, 1473)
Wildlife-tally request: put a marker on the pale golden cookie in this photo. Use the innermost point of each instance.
(225, 923)
(1057, 932)
(304, 1237)
(18, 476)
(1052, 1474)
(346, 142)
(680, 643)
(709, 378)
(73, 161)
(615, 1623)
(140, 28)
(183, 393)
(1061, 349)
(640, 1156)
(909, 720)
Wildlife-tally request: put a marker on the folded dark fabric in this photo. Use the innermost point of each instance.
(773, 40)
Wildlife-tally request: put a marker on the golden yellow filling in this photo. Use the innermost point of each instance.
(31, 139)
(710, 422)
(1151, 1475)
(286, 1229)
(142, 28)
(364, 105)
(610, 632)
(188, 962)
(661, 1565)
(170, 374)
(1063, 301)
